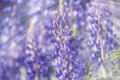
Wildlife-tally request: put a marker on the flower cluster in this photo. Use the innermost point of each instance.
(100, 27)
(69, 63)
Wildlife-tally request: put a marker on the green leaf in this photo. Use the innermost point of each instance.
(113, 55)
(87, 78)
(109, 70)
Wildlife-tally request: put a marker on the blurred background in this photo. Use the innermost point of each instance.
(26, 44)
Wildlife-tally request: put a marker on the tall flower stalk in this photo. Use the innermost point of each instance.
(98, 22)
(68, 61)
(102, 38)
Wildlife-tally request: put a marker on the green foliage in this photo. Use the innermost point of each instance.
(109, 70)
(87, 77)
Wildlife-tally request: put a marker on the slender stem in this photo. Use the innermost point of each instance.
(37, 71)
(61, 8)
(101, 48)
(101, 41)
(100, 34)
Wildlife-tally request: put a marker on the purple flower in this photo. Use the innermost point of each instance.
(99, 26)
(68, 61)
